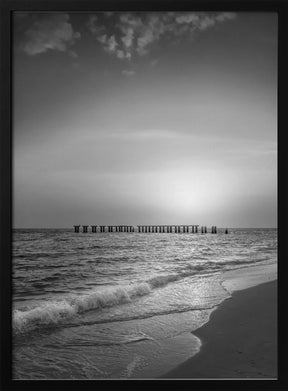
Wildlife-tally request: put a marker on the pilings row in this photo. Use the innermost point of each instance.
(146, 228)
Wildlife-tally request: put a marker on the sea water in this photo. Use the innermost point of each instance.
(124, 305)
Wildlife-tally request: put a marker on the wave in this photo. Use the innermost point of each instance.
(58, 312)
(147, 315)
(52, 313)
(120, 340)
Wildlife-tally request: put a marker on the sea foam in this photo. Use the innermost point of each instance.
(57, 312)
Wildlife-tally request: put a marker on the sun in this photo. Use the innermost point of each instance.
(186, 194)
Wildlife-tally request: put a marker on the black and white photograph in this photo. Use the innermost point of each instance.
(144, 200)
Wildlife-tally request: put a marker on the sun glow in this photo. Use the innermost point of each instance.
(190, 193)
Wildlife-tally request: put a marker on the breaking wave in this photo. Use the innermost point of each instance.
(57, 312)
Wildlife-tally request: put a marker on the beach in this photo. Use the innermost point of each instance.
(240, 339)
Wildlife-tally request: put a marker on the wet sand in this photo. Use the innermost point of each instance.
(240, 339)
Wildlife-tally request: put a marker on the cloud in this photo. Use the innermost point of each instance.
(123, 55)
(73, 54)
(53, 32)
(127, 39)
(225, 16)
(133, 35)
(128, 72)
(108, 13)
(110, 44)
(94, 25)
(154, 62)
(187, 18)
(147, 38)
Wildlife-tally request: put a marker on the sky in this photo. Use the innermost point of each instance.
(145, 118)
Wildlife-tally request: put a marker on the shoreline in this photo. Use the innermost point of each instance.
(240, 339)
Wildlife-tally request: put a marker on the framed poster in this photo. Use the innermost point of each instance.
(142, 206)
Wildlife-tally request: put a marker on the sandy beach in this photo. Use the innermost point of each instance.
(240, 339)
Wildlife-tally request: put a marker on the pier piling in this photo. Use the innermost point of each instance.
(146, 228)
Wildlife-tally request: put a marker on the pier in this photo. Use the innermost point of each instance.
(146, 229)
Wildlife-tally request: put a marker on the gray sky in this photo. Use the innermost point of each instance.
(152, 118)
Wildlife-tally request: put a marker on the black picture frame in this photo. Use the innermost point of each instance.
(6, 187)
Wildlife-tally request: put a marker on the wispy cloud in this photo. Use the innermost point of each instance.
(128, 72)
(52, 32)
(132, 35)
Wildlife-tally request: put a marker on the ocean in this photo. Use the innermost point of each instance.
(124, 305)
